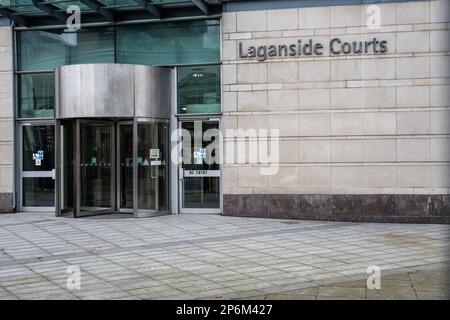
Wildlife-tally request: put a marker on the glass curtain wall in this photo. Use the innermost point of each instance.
(198, 89)
(194, 42)
(39, 52)
(156, 44)
(192, 46)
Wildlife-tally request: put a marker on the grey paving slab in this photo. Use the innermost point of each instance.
(205, 256)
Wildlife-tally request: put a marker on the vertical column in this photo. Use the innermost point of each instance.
(6, 121)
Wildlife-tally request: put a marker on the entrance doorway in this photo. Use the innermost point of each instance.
(199, 174)
(111, 166)
(37, 166)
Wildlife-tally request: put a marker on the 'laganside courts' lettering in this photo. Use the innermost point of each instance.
(309, 48)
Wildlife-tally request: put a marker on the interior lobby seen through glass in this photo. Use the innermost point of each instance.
(198, 89)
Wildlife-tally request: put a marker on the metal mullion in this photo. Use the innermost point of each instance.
(135, 173)
(57, 167)
(112, 171)
(77, 202)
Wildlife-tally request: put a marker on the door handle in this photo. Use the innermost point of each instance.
(53, 174)
(152, 168)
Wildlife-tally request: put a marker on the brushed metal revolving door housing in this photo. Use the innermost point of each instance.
(112, 139)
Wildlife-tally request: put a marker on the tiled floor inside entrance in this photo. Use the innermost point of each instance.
(195, 256)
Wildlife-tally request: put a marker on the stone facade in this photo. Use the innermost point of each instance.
(362, 137)
(6, 121)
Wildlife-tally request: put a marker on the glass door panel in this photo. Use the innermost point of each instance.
(38, 192)
(67, 165)
(38, 164)
(125, 163)
(200, 181)
(95, 165)
(152, 188)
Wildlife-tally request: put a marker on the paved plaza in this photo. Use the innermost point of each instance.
(194, 256)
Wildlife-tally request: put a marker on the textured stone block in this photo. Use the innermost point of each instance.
(229, 50)
(251, 21)
(284, 206)
(378, 68)
(229, 22)
(283, 72)
(286, 177)
(315, 206)
(380, 150)
(230, 177)
(315, 151)
(413, 176)
(314, 71)
(256, 122)
(414, 96)
(377, 123)
(252, 73)
(315, 176)
(6, 202)
(314, 17)
(440, 66)
(414, 67)
(378, 97)
(440, 122)
(314, 98)
(7, 153)
(440, 149)
(439, 11)
(402, 208)
(348, 176)
(413, 122)
(252, 101)
(347, 206)
(413, 42)
(407, 12)
(283, 100)
(413, 205)
(380, 176)
(439, 40)
(283, 19)
(229, 74)
(440, 96)
(346, 98)
(346, 69)
(6, 130)
(350, 150)
(347, 124)
(251, 177)
(346, 16)
(289, 151)
(414, 149)
(381, 205)
(287, 124)
(440, 176)
(315, 124)
(229, 101)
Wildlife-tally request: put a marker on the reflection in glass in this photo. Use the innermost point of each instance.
(36, 95)
(38, 148)
(67, 195)
(38, 192)
(152, 167)
(95, 166)
(45, 50)
(200, 192)
(126, 166)
(169, 43)
(198, 89)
